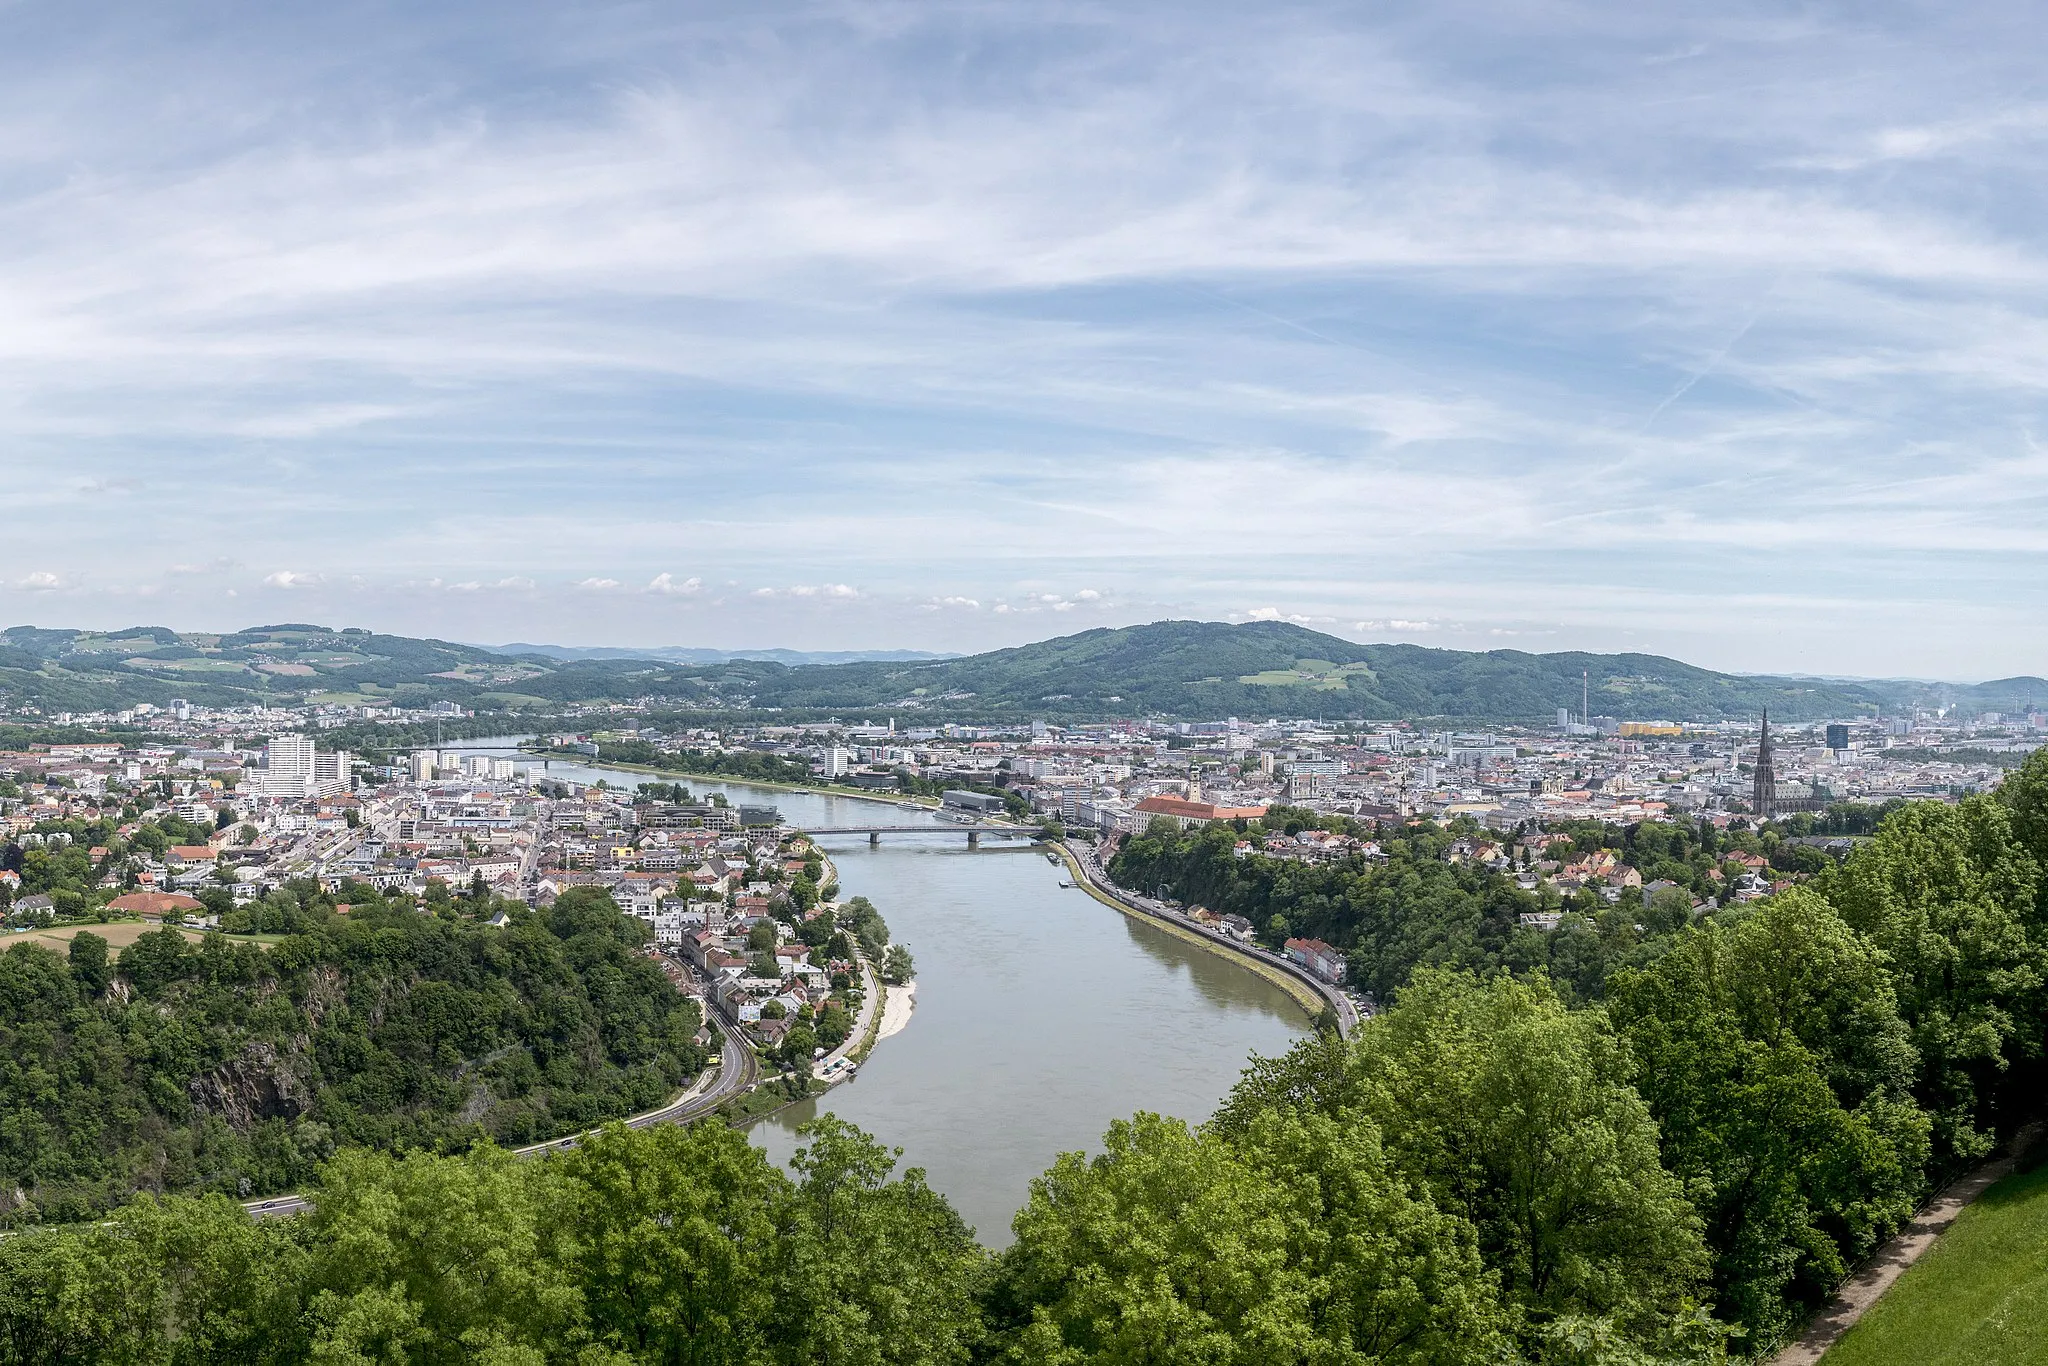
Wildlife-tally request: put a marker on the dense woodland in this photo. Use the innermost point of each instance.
(1673, 1164)
(237, 1067)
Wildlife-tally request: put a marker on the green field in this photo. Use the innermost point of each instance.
(1978, 1298)
(1320, 674)
(216, 666)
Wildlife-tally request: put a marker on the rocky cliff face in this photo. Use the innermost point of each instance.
(258, 1085)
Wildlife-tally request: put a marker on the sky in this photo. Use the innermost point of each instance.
(1714, 331)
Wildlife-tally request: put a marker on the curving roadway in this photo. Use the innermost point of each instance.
(738, 1069)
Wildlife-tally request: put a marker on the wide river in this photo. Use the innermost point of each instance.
(1042, 1014)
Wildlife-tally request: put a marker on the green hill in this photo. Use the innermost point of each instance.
(61, 670)
(1181, 669)
(1210, 669)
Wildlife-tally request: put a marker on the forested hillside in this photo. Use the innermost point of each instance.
(1187, 669)
(1210, 669)
(233, 1067)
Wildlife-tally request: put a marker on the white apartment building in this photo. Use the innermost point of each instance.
(293, 769)
(287, 767)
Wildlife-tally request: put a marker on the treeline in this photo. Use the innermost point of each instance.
(1415, 905)
(228, 1066)
(661, 1245)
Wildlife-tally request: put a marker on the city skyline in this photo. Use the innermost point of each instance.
(1711, 335)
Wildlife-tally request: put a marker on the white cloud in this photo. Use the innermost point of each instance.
(288, 578)
(810, 590)
(1275, 614)
(968, 604)
(1492, 342)
(41, 581)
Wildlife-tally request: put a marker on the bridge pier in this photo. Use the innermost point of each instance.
(874, 837)
(974, 839)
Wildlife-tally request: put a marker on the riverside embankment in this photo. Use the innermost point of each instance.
(1309, 991)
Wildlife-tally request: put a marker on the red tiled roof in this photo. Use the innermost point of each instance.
(153, 905)
(1184, 809)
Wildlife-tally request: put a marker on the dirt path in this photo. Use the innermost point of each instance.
(1891, 1261)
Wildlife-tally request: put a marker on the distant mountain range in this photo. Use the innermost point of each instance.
(1174, 669)
(687, 654)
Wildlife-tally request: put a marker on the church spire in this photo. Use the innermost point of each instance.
(1764, 788)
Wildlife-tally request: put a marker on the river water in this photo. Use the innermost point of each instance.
(1042, 1014)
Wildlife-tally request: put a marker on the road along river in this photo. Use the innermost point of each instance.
(1042, 1014)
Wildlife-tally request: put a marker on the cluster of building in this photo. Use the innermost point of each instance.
(1119, 777)
(704, 876)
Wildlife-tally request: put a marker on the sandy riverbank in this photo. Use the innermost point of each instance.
(896, 1010)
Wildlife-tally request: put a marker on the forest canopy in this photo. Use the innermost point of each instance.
(232, 1067)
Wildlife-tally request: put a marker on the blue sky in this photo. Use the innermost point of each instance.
(1716, 331)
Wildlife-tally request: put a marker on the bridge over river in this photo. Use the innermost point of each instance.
(974, 830)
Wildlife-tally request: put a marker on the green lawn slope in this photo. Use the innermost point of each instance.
(1978, 1298)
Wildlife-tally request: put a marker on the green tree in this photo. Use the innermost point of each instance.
(172, 1281)
(672, 1235)
(873, 1269)
(1795, 1178)
(1948, 894)
(834, 1024)
(87, 956)
(1517, 1114)
(431, 1259)
(1294, 1243)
